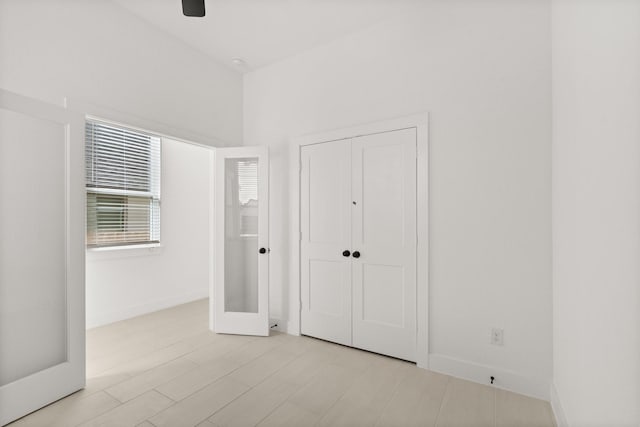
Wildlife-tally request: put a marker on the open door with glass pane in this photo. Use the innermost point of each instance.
(42, 249)
(240, 297)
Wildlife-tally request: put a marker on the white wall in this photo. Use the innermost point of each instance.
(112, 64)
(482, 70)
(596, 211)
(96, 52)
(130, 282)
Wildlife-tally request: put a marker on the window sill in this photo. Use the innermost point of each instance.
(114, 252)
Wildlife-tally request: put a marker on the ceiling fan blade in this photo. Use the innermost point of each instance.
(193, 7)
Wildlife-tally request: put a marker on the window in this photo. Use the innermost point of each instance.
(123, 186)
(248, 194)
(242, 199)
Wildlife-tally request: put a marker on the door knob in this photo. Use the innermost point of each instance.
(346, 253)
(262, 250)
(356, 254)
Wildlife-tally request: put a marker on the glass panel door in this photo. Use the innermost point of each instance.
(241, 235)
(240, 295)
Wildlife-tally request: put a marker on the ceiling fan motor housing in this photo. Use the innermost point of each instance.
(193, 8)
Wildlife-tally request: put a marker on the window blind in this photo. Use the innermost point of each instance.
(123, 186)
(248, 196)
(248, 180)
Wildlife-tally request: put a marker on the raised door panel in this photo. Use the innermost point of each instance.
(32, 250)
(42, 247)
(383, 296)
(384, 233)
(325, 234)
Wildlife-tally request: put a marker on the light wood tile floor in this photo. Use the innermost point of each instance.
(167, 369)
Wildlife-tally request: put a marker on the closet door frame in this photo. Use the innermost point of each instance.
(421, 123)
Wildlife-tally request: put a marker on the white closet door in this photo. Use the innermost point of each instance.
(384, 236)
(241, 272)
(42, 249)
(325, 219)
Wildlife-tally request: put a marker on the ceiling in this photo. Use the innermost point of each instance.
(263, 31)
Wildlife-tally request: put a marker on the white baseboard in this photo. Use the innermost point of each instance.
(283, 326)
(422, 360)
(277, 325)
(504, 379)
(556, 406)
(98, 319)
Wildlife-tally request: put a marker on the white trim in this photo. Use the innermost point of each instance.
(140, 309)
(118, 252)
(556, 406)
(124, 247)
(212, 234)
(422, 247)
(411, 121)
(421, 123)
(111, 116)
(504, 379)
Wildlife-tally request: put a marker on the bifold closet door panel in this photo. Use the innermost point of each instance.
(384, 234)
(325, 217)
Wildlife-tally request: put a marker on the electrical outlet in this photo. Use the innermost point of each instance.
(497, 336)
